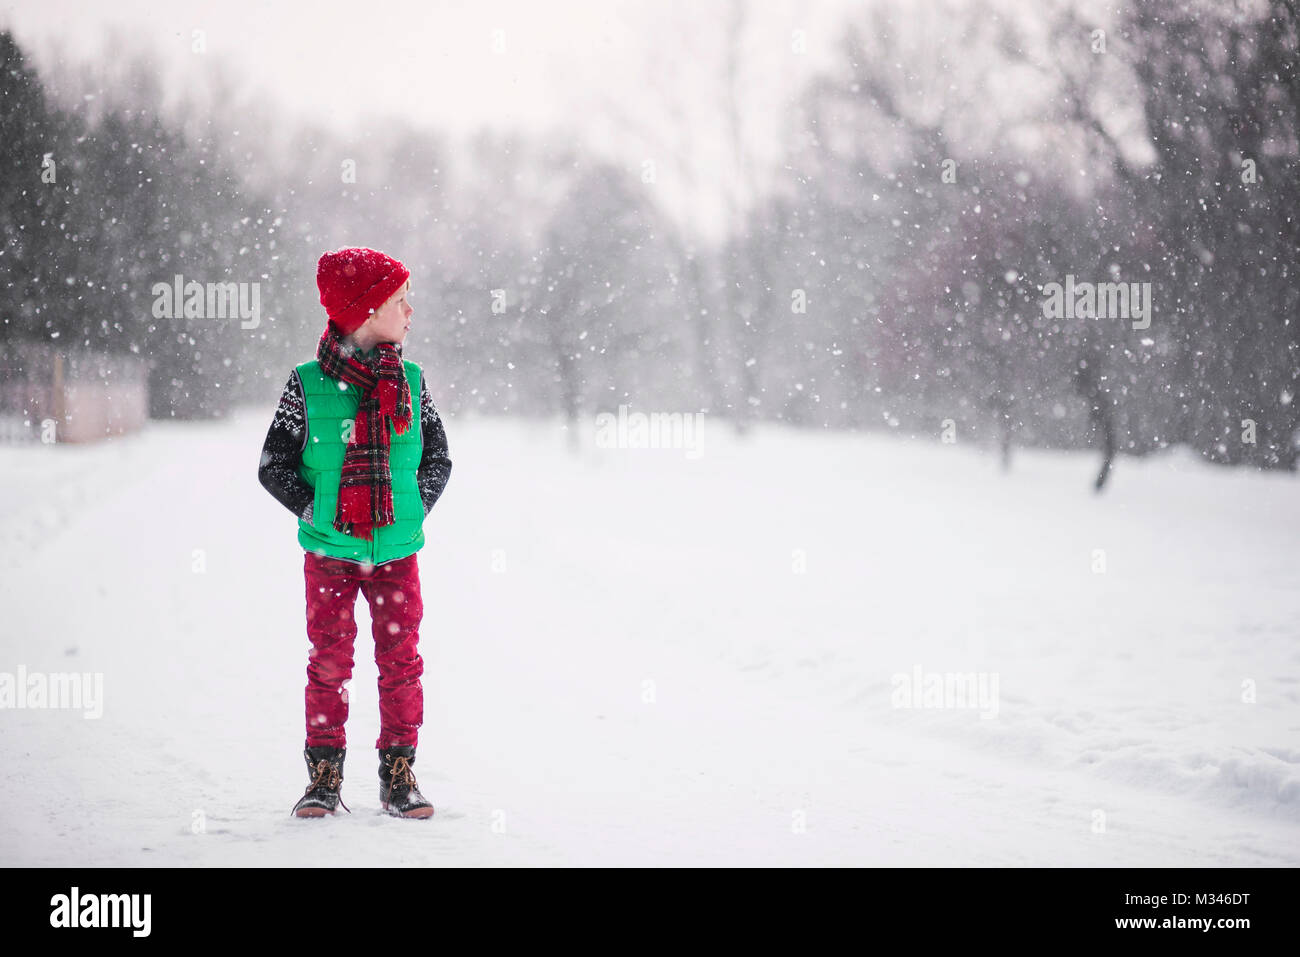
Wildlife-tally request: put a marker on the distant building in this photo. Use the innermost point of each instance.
(51, 393)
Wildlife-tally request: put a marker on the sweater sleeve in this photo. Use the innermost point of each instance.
(282, 453)
(435, 463)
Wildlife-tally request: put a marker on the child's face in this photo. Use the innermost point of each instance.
(392, 320)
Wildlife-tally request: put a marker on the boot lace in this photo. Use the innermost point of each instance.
(401, 773)
(326, 775)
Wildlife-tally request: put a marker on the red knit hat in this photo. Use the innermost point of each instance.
(354, 282)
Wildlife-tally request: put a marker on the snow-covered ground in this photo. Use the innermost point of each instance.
(637, 657)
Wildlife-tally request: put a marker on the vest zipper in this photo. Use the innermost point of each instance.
(372, 551)
(374, 529)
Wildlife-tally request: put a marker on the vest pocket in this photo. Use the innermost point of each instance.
(322, 522)
(315, 503)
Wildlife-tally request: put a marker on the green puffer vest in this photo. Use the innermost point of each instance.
(331, 408)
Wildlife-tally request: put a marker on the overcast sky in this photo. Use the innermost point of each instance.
(557, 62)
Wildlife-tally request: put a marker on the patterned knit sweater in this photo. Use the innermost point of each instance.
(287, 437)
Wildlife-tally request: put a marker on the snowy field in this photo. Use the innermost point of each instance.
(633, 657)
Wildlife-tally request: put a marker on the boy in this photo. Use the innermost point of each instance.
(348, 457)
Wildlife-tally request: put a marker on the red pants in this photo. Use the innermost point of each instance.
(393, 592)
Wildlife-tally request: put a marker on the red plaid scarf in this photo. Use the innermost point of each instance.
(366, 485)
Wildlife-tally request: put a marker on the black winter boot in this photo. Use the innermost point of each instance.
(399, 795)
(325, 766)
